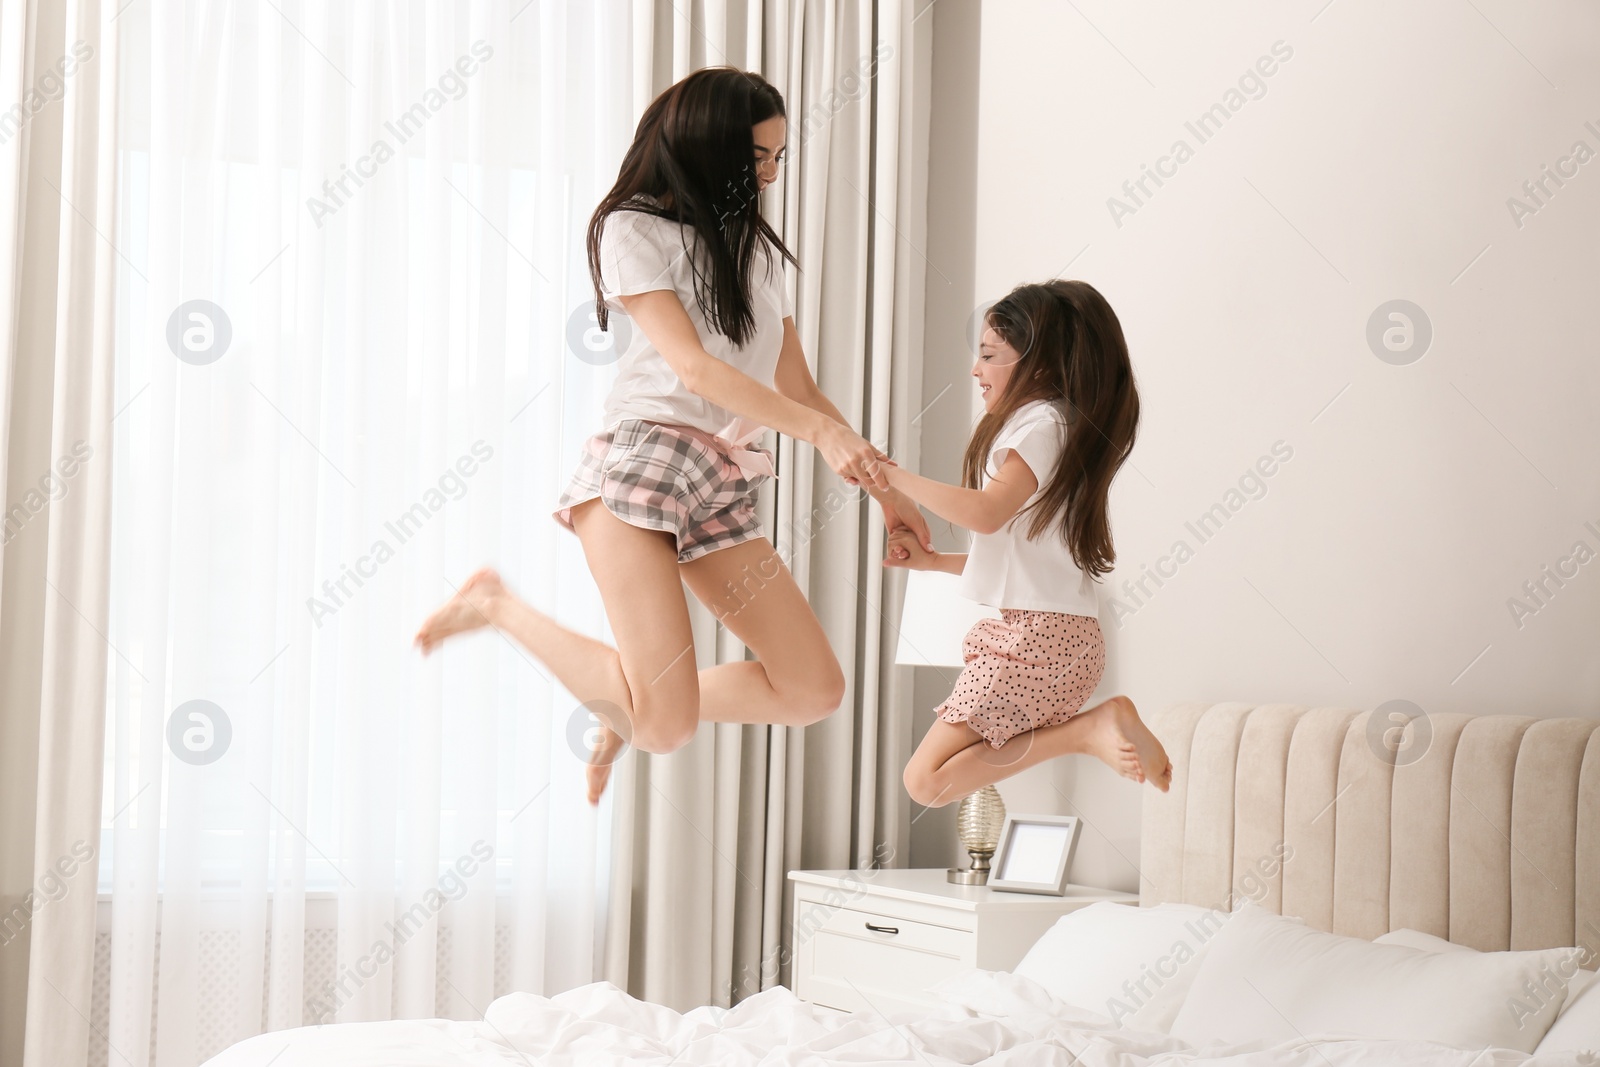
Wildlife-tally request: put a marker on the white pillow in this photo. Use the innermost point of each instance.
(1271, 978)
(1132, 965)
(1419, 940)
(1577, 1028)
(1577, 983)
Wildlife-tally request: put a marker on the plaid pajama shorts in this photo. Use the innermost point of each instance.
(667, 477)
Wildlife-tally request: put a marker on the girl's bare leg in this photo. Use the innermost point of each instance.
(954, 760)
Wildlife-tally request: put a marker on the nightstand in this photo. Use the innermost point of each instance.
(877, 939)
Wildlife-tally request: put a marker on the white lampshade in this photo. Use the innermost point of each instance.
(934, 620)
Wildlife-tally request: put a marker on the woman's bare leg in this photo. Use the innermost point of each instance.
(954, 760)
(649, 678)
(795, 679)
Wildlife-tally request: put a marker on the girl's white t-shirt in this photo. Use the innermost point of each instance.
(1007, 570)
(640, 252)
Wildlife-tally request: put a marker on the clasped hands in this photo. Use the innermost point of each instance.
(910, 545)
(859, 462)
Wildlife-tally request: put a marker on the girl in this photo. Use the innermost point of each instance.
(664, 495)
(1060, 415)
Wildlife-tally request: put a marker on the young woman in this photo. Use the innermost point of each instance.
(664, 496)
(1060, 415)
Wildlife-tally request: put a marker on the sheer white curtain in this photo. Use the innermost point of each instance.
(352, 366)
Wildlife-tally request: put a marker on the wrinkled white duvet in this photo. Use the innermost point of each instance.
(987, 1017)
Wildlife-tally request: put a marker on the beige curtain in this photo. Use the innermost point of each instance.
(705, 838)
(58, 64)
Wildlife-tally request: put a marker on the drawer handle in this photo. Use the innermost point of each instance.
(883, 929)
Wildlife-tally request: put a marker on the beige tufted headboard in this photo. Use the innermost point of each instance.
(1486, 833)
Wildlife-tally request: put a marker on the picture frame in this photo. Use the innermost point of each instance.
(1035, 854)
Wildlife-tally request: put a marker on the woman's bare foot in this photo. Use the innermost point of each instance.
(1154, 767)
(600, 760)
(469, 609)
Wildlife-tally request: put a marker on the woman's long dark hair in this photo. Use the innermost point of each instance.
(694, 142)
(1072, 349)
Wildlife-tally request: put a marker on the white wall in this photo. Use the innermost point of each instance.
(1376, 562)
(950, 285)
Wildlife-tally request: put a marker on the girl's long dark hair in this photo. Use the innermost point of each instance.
(694, 142)
(1072, 349)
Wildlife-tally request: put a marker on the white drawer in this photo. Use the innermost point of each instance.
(927, 930)
(867, 961)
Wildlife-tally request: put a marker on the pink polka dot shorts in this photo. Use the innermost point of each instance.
(1024, 671)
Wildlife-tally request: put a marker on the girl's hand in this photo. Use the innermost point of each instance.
(900, 513)
(853, 457)
(905, 550)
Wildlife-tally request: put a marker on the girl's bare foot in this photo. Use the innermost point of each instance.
(469, 609)
(1154, 766)
(600, 760)
(1107, 742)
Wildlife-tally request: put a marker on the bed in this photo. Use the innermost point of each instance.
(1442, 872)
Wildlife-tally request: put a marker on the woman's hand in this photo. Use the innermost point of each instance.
(852, 457)
(900, 512)
(905, 550)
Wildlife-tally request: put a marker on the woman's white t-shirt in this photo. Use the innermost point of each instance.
(640, 252)
(1005, 569)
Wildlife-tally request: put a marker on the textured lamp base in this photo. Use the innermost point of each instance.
(978, 824)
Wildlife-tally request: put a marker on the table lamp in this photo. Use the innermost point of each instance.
(933, 622)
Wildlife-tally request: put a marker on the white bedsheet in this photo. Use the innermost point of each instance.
(987, 1017)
